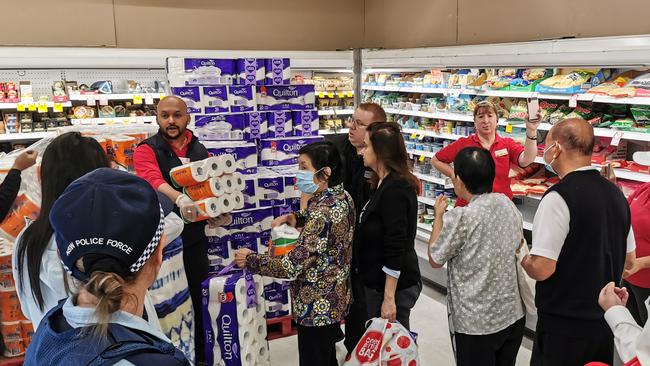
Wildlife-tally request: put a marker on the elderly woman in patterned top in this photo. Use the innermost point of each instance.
(321, 260)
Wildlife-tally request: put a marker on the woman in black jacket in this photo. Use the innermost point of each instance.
(387, 260)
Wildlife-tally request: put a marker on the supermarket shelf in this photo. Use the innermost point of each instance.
(440, 181)
(27, 136)
(585, 97)
(427, 201)
(436, 115)
(434, 134)
(421, 153)
(35, 103)
(113, 120)
(608, 132)
(85, 97)
(424, 227)
(620, 173)
(333, 94)
(334, 132)
(335, 112)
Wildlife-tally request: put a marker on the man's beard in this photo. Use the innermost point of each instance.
(181, 132)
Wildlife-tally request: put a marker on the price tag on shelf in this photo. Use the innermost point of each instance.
(350, 94)
(588, 97)
(509, 128)
(321, 94)
(20, 107)
(162, 96)
(414, 135)
(58, 107)
(421, 137)
(330, 94)
(103, 100)
(573, 101)
(90, 101)
(148, 99)
(137, 99)
(421, 158)
(617, 138)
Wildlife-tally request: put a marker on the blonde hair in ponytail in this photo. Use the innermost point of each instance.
(108, 289)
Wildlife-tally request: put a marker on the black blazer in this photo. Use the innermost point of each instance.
(387, 230)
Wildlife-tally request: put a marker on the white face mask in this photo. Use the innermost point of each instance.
(549, 165)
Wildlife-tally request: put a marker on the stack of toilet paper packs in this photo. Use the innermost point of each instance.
(213, 184)
(277, 293)
(171, 298)
(233, 313)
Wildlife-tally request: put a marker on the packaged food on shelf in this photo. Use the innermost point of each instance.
(518, 112)
(573, 81)
(26, 91)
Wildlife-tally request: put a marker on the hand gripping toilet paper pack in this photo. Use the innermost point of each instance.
(244, 154)
(257, 126)
(305, 123)
(215, 99)
(278, 71)
(251, 71)
(234, 322)
(280, 124)
(285, 98)
(385, 344)
(171, 298)
(242, 98)
(283, 151)
(220, 127)
(200, 71)
(191, 96)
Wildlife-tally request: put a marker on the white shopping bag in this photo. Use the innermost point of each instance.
(385, 344)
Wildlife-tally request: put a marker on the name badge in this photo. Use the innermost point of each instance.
(368, 174)
(500, 153)
(184, 160)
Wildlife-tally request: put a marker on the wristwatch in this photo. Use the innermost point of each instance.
(532, 138)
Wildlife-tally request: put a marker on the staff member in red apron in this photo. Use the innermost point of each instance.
(504, 150)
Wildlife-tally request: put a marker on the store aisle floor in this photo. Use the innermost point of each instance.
(428, 319)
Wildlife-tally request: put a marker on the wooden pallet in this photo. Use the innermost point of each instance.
(281, 327)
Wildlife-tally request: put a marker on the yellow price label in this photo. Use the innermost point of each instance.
(350, 94)
(414, 135)
(137, 99)
(31, 107)
(509, 129)
(421, 158)
(330, 94)
(162, 96)
(340, 94)
(20, 107)
(321, 94)
(42, 107)
(58, 107)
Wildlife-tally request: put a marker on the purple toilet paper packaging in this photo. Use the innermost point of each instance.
(286, 97)
(245, 154)
(277, 300)
(270, 188)
(278, 71)
(305, 123)
(257, 126)
(219, 127)
(283, 151)
(200, 71)
(251, 200)
(251, 71)
(280, 124)
(245, 225)
(215, 99)
(242, 98)
(191, 96)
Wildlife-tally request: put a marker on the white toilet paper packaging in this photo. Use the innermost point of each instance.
(215, 99)
(244, 153)
(219, 127)
(242, 98)
(280, 124)
(245, 224)
(305, 123)
(285, 97)
(234, 323)
(257, 126)
(283, 151)
(200, 71)
(251, 71)
(191, 96)
(278, 71)
(171, 298)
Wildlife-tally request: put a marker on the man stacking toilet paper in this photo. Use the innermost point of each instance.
(159, 161)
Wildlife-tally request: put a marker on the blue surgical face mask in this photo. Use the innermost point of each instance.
(549, 165)
(305, 181)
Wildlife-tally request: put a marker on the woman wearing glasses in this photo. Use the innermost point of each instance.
(504, 150)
